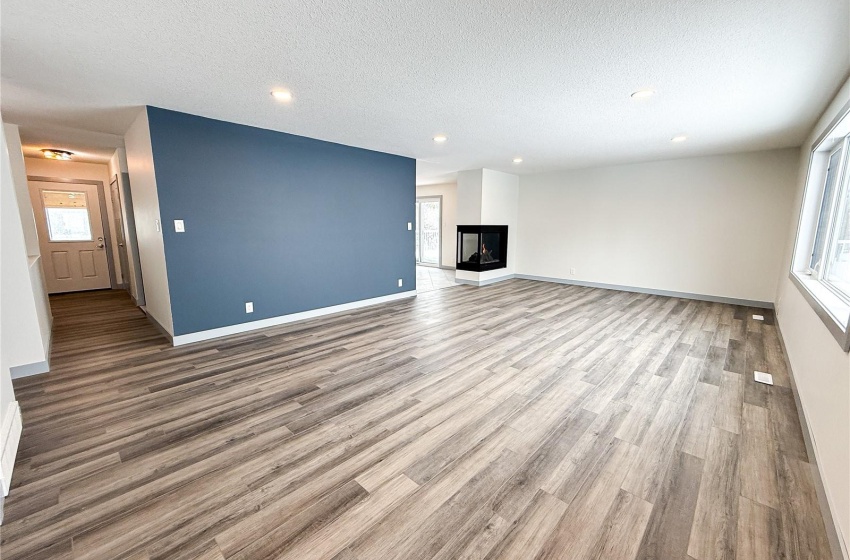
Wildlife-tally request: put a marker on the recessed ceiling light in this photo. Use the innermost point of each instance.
(282, 95)
(440, 138)
(517, 160)
(643, 93)
(51, 153)
(679, 138)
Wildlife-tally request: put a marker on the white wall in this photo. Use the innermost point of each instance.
(499, 202)
(487, 197)
(137, 142)
(469, 197)
(42, 167)
(448, 192)
(821, 368)
(19, 177)
(13, 250)
(706, 225)
(25, 311)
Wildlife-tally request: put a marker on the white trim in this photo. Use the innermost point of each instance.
(484, 282)
(10, 436)
(652, 291)
(26, 370)
(199, 336)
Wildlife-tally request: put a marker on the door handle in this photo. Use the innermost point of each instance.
(100, 245)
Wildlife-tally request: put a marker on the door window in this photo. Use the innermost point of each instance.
(68, 216)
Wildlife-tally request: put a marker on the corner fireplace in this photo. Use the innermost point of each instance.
(481, 248)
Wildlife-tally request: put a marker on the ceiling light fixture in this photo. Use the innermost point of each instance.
(517, 160)
(282, 95)
(440, 138)
(51, 153)
(679, 138)
(643, 93)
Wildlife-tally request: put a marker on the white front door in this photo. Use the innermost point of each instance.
(70, 235)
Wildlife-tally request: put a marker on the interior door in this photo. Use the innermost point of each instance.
(70, 235)
(119, 233)
(428, 243)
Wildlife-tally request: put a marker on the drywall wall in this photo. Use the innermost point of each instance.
(39, 291)
(704, 225)
(499, 204)
(821, 368)
(448, 192)
(487, 197)
(42, 167)
(8, 235)
(289, 223)
(25, 312)
(143, 188)
(469, 197)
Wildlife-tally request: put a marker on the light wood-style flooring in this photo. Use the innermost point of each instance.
(522, 420)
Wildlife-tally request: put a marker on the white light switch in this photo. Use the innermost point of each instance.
(409, 226)
(178, 226)
(400, 282)
(249, 307)
(156, 224)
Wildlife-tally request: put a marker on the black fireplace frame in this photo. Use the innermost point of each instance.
(479, 230)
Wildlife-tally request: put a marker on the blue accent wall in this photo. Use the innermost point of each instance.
(288, 222)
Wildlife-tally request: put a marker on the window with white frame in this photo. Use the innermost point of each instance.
(821, 261)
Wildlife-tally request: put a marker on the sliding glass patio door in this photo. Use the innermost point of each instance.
(428, 220)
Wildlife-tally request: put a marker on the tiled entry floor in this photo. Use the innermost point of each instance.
(431, 278)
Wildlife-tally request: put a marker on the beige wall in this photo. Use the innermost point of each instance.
(705, 225)
(41, 167)
(140, 165)
(821, 368)
(448, 192)
(26, 319)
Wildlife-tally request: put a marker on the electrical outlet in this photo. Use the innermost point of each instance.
(758, 317)
(156, 224)
(249, 307)
(572, 272)
(179, 226)
(400, 282)
(763, 377)
(409, 226)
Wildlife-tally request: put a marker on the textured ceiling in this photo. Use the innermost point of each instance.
(548, 80)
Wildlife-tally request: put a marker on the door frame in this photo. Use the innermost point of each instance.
(431, 198)
(120, 232)
(104, 216)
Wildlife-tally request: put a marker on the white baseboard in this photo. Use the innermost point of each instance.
(10, 436)
(486, 282)
(179, 340)
(29, 369)
(837, 542)
(652, 291)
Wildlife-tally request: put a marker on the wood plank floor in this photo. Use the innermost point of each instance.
(520, 420)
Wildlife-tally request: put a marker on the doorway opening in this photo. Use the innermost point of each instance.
(430, 274)
(72, 225)
(428, 230)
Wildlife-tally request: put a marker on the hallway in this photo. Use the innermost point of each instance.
(520, 420)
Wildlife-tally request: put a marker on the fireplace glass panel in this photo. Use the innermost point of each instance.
(481, 248)
(469, 247)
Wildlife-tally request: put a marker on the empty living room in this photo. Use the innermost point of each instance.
(425, 280)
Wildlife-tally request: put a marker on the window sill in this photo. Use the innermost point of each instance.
(832, 310)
